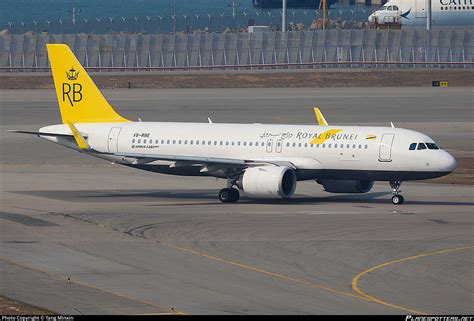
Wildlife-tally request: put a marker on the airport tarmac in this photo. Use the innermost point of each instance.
(80, 235)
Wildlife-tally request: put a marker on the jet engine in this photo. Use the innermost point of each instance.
(345, 186)
(268, 182)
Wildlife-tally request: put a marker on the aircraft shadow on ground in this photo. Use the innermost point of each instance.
(93, 196)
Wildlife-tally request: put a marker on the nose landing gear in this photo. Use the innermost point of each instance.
(397, 199)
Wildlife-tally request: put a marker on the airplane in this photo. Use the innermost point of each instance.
(262, 160)
(413, 13)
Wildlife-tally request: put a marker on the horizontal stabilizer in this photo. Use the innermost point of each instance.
(39, 133)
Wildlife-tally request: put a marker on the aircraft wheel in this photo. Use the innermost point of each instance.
(235, 195)
(225, 195)
(397, 200)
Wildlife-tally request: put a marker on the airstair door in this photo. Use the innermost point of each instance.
(113, 140)
(385, 148)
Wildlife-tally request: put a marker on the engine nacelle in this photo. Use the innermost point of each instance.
(346, 186)
(268, 182)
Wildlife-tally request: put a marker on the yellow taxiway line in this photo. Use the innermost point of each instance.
(355, 279)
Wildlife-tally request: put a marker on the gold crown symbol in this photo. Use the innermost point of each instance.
(72, 74)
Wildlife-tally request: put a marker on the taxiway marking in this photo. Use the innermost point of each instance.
(355, 279)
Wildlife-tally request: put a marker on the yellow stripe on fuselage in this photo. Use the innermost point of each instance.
(325, 136)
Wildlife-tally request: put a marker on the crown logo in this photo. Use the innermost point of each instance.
(72, 74)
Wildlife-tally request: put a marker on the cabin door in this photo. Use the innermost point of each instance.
(112, 142)
(385, 148)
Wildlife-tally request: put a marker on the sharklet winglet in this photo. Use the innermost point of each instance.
(80, 141)
(319, 117)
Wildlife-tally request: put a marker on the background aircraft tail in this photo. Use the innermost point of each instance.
(79, 99)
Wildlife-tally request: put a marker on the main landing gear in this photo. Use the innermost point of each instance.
(229, 194)
(397, 199)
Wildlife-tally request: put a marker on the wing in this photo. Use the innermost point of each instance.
(209, 164)
(192, 159)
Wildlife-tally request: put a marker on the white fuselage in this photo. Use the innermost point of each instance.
(343, 152)
(414, 13)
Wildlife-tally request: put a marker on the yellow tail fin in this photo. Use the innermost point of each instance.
(80, 101)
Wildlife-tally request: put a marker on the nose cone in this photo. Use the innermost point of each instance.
(446, 162)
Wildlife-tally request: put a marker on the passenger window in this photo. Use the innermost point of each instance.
(227, 143)
(324, 145)
(185, 142)
(366, 146)
(329, 145)
(250, 143)
(168, 141)
(432, 146)
(221, 143)
(156, 141)
(197, 142)
(349, 146)
(305, 144)
(215, 142)
(421, 146)
(190, 142)
(133, 141)
(287, 144)
(162, 141)
(412, 146)
(238, 143)
(209, 142)
(299, 145)
(360, 146)
(294, 144)
(174, 141)
(245, 143)
(139, 141)
(232, 143)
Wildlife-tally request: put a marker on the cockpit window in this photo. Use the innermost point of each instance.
(395, 8)
(421, 146)
(432, 146)
(412, 146)
(384, 8)
(389, 8)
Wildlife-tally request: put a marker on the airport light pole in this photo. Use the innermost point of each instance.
(428, 29)
(174, 14)
(283, 16)
(428, 15)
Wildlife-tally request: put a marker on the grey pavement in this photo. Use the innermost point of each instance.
(140, 243)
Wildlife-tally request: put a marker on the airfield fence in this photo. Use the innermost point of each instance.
(299, 49)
